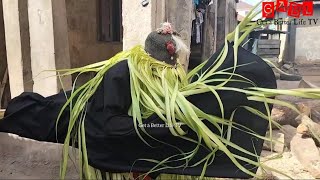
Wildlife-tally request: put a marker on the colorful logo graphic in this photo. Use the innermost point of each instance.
(293, 9)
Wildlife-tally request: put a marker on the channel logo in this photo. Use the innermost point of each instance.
(293, 9)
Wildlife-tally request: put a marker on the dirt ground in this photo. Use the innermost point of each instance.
(23, 158)
(287, 164)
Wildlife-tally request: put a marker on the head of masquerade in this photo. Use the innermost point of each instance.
(165, 45)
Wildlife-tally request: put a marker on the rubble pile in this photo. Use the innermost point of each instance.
(297, 139)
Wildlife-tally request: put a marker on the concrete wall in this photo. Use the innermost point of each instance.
(210, 31)
(307, 45)
(48, 35)
(42, 46)
(138, 22)
(61, 42)
(307, 41)
(13, 45)
(179, 13)
(36, 41)
(23, 158)
(83, 34)
(231, 15)
(226, 20)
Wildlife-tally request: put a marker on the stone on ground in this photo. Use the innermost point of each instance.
(289, 132)
(306, 151)
(284, 116)
(277, 143)
(302, 129)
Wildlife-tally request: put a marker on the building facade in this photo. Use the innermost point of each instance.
(37, 36)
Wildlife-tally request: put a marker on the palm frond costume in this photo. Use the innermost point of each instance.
(142, 113)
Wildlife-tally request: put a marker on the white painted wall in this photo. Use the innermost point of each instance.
(13, 45)
(42, 46)
(307, 48)
(137, 22)
(307, 45)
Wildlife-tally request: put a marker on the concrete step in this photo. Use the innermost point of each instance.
(288, 84)
(314, 80)
(308, 84)
(23, 158)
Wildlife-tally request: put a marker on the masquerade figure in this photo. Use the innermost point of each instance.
(143, 113)
(117, 141)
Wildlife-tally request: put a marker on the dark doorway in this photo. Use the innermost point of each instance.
(110, 20)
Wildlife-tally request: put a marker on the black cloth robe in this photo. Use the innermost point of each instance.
(112, 142)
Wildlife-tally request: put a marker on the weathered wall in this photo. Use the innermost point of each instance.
(307, 45)
(138, 22)
(42, 46)
(45, 36)
(210, 31)
(221, 22)
(61, 40)
(226, 20)
(36, 41)
(179, 13)
(159, 7)
(307, 41)
(231, 16)
(83, 34)
(13, 45)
